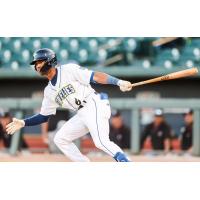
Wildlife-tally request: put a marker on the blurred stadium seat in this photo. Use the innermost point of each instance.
(16, 52)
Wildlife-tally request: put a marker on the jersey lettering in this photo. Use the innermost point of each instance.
(63, 93)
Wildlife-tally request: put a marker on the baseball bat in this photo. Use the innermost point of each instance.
(175, 75)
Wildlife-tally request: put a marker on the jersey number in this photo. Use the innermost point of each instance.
(77, 101)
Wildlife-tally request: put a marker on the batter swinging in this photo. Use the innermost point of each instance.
(69, 87)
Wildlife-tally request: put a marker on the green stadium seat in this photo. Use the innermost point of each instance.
(146, 64)
(63, 55)
(130, 58)
(196, 52)
(82, 56)
(36, 43)
(185, 62)
(129, 44)
(73, 45)
(168, 64)
(55, 45)
(7, 56)
(92, 45)
(101, 56)
(25, 55)
(14, 65)
(16, 45)
(175, 54)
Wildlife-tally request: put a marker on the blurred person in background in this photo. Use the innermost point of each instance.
(186, 132)
(158, 132)
(6, 118)
(119, 132)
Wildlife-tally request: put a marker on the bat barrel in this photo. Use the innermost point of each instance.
(175, 75)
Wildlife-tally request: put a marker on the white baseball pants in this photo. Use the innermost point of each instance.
(93, 118)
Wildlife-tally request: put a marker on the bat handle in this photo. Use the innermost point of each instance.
(136, 84)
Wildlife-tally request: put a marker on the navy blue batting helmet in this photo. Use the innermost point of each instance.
(47, 55)
(44, 54)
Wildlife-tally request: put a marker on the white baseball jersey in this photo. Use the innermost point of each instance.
(71, 90)
(72, 87)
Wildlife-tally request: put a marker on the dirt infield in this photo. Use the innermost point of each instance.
(46, 157)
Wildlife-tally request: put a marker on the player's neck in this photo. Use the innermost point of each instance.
(51, 73)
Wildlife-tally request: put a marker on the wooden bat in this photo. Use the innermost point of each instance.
(175, 75)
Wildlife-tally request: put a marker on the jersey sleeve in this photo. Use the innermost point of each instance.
(48, 106)
(81, 74)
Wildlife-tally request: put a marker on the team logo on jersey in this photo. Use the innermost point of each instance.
(63, 93)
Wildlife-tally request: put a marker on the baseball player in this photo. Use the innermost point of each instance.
(69, 87)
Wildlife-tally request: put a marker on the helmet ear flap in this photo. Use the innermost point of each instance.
(53, 62)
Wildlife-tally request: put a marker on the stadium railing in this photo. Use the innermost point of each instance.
(134, 105)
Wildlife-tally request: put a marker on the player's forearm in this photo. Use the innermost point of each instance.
(103, 78)
(36, 119)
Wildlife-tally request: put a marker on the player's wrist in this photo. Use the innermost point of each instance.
(19, 121)
(112, 80)
(119, 83)
(22, 123)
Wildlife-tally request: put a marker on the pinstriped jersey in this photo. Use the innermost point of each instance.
(71, 88)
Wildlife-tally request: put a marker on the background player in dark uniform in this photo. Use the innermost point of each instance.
(159, 133)
(186, 136)
(6, 118)
(119, 132)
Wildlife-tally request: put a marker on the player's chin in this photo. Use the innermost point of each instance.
(42, 73)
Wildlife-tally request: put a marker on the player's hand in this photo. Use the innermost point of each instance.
(14, 126)
(125, 85)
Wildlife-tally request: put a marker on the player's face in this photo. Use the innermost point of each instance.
(158, 120)
(188, 118)
(117, 122)
(38, 66)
